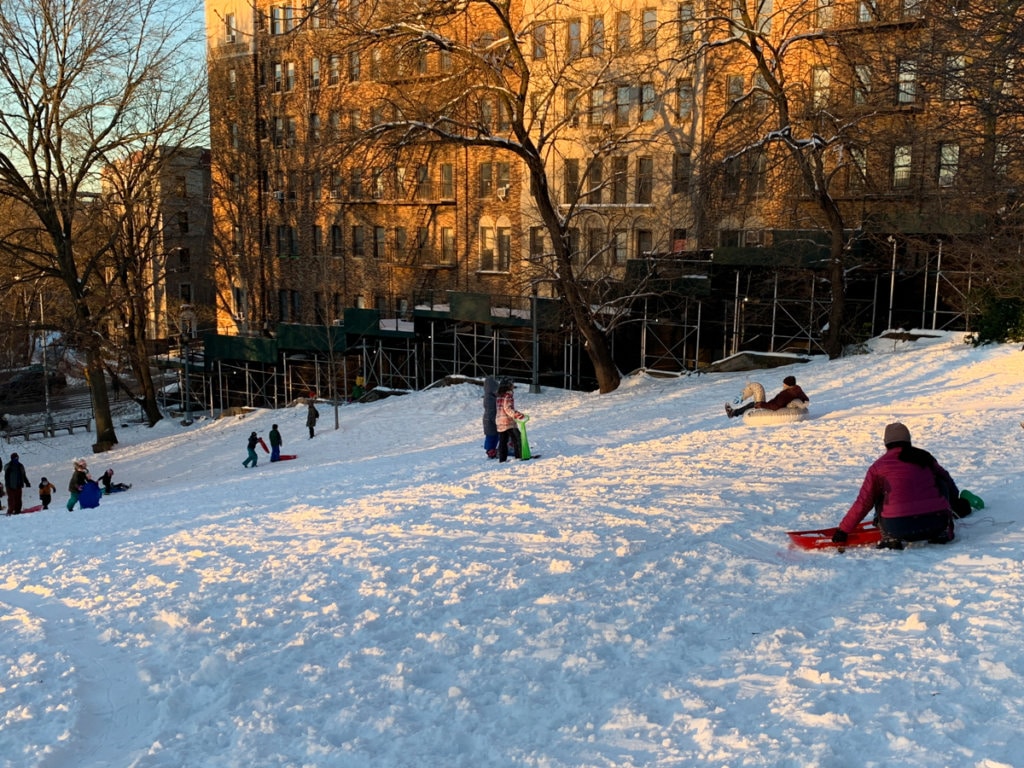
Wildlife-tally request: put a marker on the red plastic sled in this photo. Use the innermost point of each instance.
(287, 456)
(29, 510)
(863, 535)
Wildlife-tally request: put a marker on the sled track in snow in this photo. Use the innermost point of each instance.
(114, 711)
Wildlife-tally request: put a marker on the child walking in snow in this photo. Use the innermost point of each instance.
(505, 419)
(250, 446)
(46, 491)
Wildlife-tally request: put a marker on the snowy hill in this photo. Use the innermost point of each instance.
(391, 598)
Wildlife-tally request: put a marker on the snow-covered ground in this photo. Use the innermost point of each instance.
(391, 598)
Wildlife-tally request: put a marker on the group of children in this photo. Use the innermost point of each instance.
(80, 477)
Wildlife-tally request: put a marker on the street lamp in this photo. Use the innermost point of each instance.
(892, 279)
(48, 423)
(535, 374)
(46, 373)
(187, 326)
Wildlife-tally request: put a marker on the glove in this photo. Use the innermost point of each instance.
(840, 536)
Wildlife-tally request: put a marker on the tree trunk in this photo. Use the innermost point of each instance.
(106, 438)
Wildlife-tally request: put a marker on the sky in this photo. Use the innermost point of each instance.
(393, 598)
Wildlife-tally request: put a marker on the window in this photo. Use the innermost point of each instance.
(185, 293)
(333, 70)
(825, 13)
(337, 184)
(401, 242)
(574, 39)
(424, 189)
(861, 84)
(358, 240)
(911, 9)
(278, 77)
(595, 182)
(595, 115)
(445, 61)
(296, 301)
(289, 76)
(503, 178)
(486, 172)
(486, 115)
(949, 161)
(731, 182)
(906, 90)
(734, 87)
(622, 30)
(867, 11)
(337, 241)
(684, 96)
(290, 131)
(858, 172)
(595, 244)
(376, 64)
(319, 310)
(184, 260)
(571, 181)
(232, 84)
(620, 180)
(679, 240)
(314, 73)
(317, 185)
(648, 104)
(316, 237)
(447, 181)
(685, 21)
(229, 28)
(954, 67)
(240, 301)
(536, 241)
(487, 248)
(287, 244)
(447, 245)
(597, 36)
(644, 242)
(572, 114)
(354, 66)
(764, 16)
(620, 247)
(757, 173)
(650, 28)
(901, 166)
(183, 222)
(680, 173)
(379, 242)
(504, 248)
(738, 9)
(821, 83)
(644, 180)
(540, 41)
(622, 104)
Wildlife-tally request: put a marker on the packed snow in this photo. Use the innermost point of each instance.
(630, 598)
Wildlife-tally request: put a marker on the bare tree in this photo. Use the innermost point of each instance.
(85, 85)
(571, 106)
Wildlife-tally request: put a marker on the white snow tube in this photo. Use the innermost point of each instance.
(795, 411)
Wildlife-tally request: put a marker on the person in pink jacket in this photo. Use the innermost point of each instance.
(912, 495)
(505, 419)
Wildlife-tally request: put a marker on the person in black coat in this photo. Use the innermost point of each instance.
(15, 481)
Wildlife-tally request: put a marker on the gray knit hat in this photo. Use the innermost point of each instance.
(896, 433)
